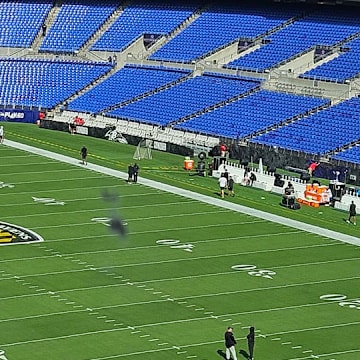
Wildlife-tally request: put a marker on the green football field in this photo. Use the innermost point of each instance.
(184, 272)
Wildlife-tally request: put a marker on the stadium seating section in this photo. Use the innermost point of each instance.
(20, 21)
(137, 20)
(344, 67)
(44, 83)
(247, 115)
(351, 155)
(320, 132)
(185, 98)
(74, 25)
(117, 89)
(164, 90)
(216, 27)
(321, 28)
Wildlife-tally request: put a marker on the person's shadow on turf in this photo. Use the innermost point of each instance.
(244, 354)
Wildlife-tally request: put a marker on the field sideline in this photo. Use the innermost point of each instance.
(192, 195)
(190, 266)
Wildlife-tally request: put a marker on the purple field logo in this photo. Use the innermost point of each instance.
(15, 234)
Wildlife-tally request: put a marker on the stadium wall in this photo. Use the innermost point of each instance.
(102, 133)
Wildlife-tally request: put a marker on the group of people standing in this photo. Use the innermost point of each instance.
(133, 172)
(226, 182)
(133, 169)
(230, 343)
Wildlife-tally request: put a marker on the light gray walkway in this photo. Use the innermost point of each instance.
(192, 195)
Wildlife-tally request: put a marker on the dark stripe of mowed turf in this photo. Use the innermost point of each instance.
(192, 195)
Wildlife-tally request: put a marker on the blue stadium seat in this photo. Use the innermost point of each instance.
(307, 135)
(137, 20)
(351, 155)
(44, 83)
(74, 25)
(225, 26)
(124, 85)
(185, 98)
(21, 21)
(316, 29)
(342, 68)
(244, 117)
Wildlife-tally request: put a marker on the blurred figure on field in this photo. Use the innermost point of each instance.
(352, 214)
(130, 173)
(2, 134)
(135, 172)
(84, 153)
(252, 178)
(230, 186)
(246, 178)
(226, 174)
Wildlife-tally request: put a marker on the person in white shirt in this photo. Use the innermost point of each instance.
(223, 185)
(1, 134)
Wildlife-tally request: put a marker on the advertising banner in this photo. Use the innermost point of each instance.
(16, 115)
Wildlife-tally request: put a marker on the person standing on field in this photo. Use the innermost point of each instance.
(222, 185)
(130, 173)
(83, 153)
(352, 214)
(230, 343)
(2, 136)
(135, 172)
(251, 342)
(230, 186)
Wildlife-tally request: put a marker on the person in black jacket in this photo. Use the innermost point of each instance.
(252, 178)
(251, 342)
(230, 343)
(230, 186)
(135, 172)
(352, 214)
(84, 153)
(130, 173)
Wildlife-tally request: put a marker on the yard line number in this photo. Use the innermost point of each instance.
(252, 270)
(176, 244)
(105, 221)
(342, 300)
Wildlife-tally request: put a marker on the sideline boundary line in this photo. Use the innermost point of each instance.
(191, 195)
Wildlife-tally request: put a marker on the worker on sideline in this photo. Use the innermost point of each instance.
(222, 185)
